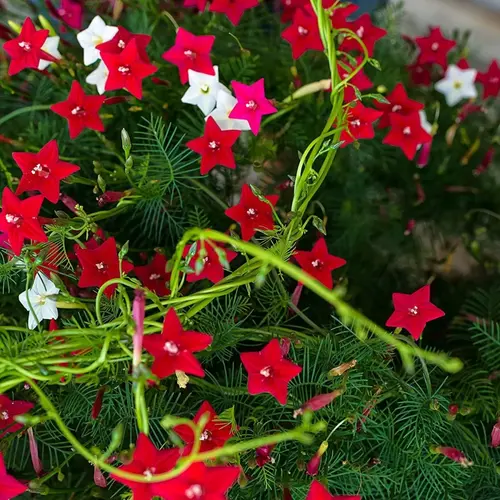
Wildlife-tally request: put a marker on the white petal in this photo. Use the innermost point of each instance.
(23, 298)
(49, 310)
(43, 286)
(99, 77)
(43, 64)
(206, 104)
(191, 96)
(34, 319)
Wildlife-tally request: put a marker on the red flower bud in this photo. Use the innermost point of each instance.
(318, 402)
(263, 455)
(425, 153)
(115, 100)
(495, 435)
(96, 407)
(454, 454)
(99, 478)
(286, 494)
(312, 467)
(69, 202)
(285, 347)
(453, 409)
(110, 197)
(35, 459)
(409, 227)
(159, 81)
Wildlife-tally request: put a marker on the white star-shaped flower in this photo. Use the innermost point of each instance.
(457, 84)
(203, 89)
(98, 77)
(40, 301)
(97, 32)
(225, 104)
(51, 47)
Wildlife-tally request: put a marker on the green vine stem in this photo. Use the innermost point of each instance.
(20, 111)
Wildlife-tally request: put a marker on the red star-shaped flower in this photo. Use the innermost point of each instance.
(252, 103)
(154, 275)
(71, 12)
(43, 171)
(359, 123)
(10, 487)
(81, 110)
(19, 219)
(251, 213)
(233, 9)
(319, 263)
(118, 43)
(148, 461)
(290, 7)
(407, 133)
(10, 409)
(399, 103)
(303, 34)
(366, 31)
(215, 432)
(420, 74)
(340, 14)
(215, 146)
(101, 264)
(211, 266)
(319, 492)
(413, 311)
(173, 348)
(269, 372)
(191, 52)
(200, 482)
(127, 69)
(490, 80)
(26, 49)
(359, 80)
(434, 48)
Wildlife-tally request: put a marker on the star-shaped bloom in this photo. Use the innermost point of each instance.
(19, 219)
(303, 33)
(101, 264)
(8, 410)
(490, 80)
(99, 77)
(359, 80)
(269, 372)
(200, 482)
(10, 487)
(123, 36)
(81, 110)
(413, 311)
(40, 301)
(360, 120)
(225, 103)
(43, 171)
(147, 460)
(215, 147)
(434, 48)
(318, 492)
(407, 133)
(127, 69)
(208, 261)
(154, 275)
(420, 74)
(50, 47)
(319, 263)
(234, 10)
(98, 32)
(203, 90)
(252, 104)
(366, 31)
(214, 435)
(252, 213)
(26, 50)
(457, 84)
(191, 52)
(173, 348)
(71, 12)
(399, 103)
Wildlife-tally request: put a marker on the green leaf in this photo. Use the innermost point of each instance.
(318, 224)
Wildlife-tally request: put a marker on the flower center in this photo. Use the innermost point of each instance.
(355, 123)
(413, 311)
(251, 105)
(214, 146)
(171, 347)
(302, 31)
(317, 264)
(154, 276)
(252, 213)
(396, 108)
(124, 70)
(78, 111)
(14, 219)
(457, 85)
(361, 31)
(101, 267)
(96, 40)
(494, 79)
(435, 46)
(121, 44)
(194, 491)
(266, 372)
(26, 46)
(190, 54)
(41, 299)
(41, 170)
(407, 131)
(4, 415)
(148, 473)
(206, 436)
